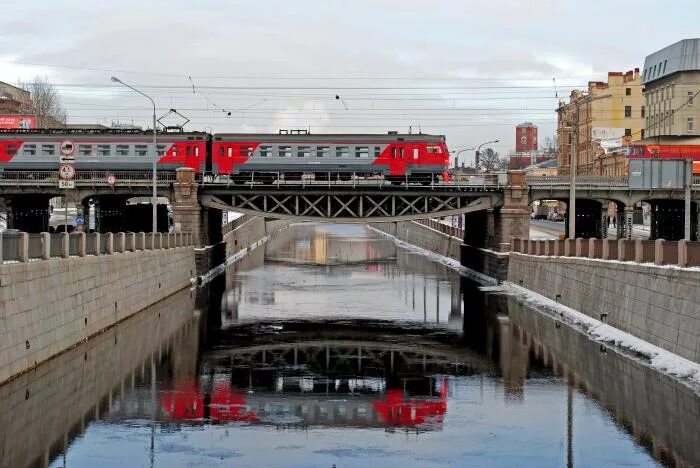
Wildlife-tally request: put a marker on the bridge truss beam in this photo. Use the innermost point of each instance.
(352, 207)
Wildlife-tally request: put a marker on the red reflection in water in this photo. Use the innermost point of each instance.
(185, 401)
(395, 410)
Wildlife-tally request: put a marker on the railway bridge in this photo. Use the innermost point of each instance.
(495, 211)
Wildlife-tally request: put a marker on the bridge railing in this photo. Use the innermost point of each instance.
(585, 181)
(85, 178)
(231, 225)
(442, 227)
(659, 252)
(26, 247)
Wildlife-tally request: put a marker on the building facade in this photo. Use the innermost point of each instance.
(525, 138)
(606, 117)
(671, 78)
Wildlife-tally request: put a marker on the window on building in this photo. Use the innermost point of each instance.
(690, 125)
(644, 74)
(342, 151)
(664, 66)
(141, 150)
(285, 151)
(361, 152)
(48, 150)
(628, 132)
(265, 151)
(29, 150)
(628, 111)
(323, 151)
(303, 151)
(122, 150)
(642, 134)
(84, 150)
(690, 98)
(643, 111)
(628, 91)
(653, 73)
(103, 150)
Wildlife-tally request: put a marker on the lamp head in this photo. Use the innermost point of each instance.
(115, 79)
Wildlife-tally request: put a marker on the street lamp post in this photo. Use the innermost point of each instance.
(460, 152)
(154, 197)
(478, 149)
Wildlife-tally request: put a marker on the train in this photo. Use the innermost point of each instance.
(290, 155)
(667, 151)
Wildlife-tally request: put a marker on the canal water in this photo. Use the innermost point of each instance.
(331, 346)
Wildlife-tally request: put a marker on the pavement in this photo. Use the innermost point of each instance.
(542, 230)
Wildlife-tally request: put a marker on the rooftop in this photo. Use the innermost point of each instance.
(684, 55)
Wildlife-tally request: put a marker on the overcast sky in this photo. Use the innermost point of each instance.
(471, 70)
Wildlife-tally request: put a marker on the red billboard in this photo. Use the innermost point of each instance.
(17, 121)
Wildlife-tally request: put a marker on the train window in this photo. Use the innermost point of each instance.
(342, 151)
(377, 151)
(393, 153)
(415, 153)
(188, 151)
(285, 151)
(142, 150)
(29, 150)
(122, 150)
(265, 151)
(161, 150)
(401, 153)
(303, 151)
(221, 151)
(323, 151)
(48, 150)
(246, 151)
(174, 150)
(196, 151)
(84, 150)
(103, 150)
(434, 149)
(361, 152)
(229, 151)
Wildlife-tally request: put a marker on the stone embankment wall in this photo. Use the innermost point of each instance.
(422, 236)
(655, 303)
(49, 306)
(59, 398)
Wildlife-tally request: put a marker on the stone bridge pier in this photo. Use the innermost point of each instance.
(204, 223)
(494, 228)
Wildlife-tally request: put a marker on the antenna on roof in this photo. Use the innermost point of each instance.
(554, 82)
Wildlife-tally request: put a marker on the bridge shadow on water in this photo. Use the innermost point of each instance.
(330, 345)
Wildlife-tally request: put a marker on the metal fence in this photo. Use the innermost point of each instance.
(442, 227)
(86, 178)
(23, 247)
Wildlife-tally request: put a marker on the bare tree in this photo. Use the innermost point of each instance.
(490, 161)
(44, 103)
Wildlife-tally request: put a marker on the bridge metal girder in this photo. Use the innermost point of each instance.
(352, 207)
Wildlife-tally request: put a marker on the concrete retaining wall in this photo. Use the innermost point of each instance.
(47, 307)
(422, 236)
(488, 262)
(59, 398)
(657, 304)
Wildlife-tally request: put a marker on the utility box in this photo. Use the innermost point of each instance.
(656, 173)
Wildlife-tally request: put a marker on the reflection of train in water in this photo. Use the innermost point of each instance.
(254, 157)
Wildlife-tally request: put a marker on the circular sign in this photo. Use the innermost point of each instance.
(66, 172)
(111, 180)
(79, 220)
(67, 148)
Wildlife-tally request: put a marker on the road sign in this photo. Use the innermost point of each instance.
(66, 184)
(66, 172)
(67, 148)
(79, 220)
(111, 180)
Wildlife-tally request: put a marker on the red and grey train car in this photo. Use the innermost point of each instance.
(262, 157)
(667, 151)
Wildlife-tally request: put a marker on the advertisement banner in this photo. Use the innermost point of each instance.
(17, 121)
